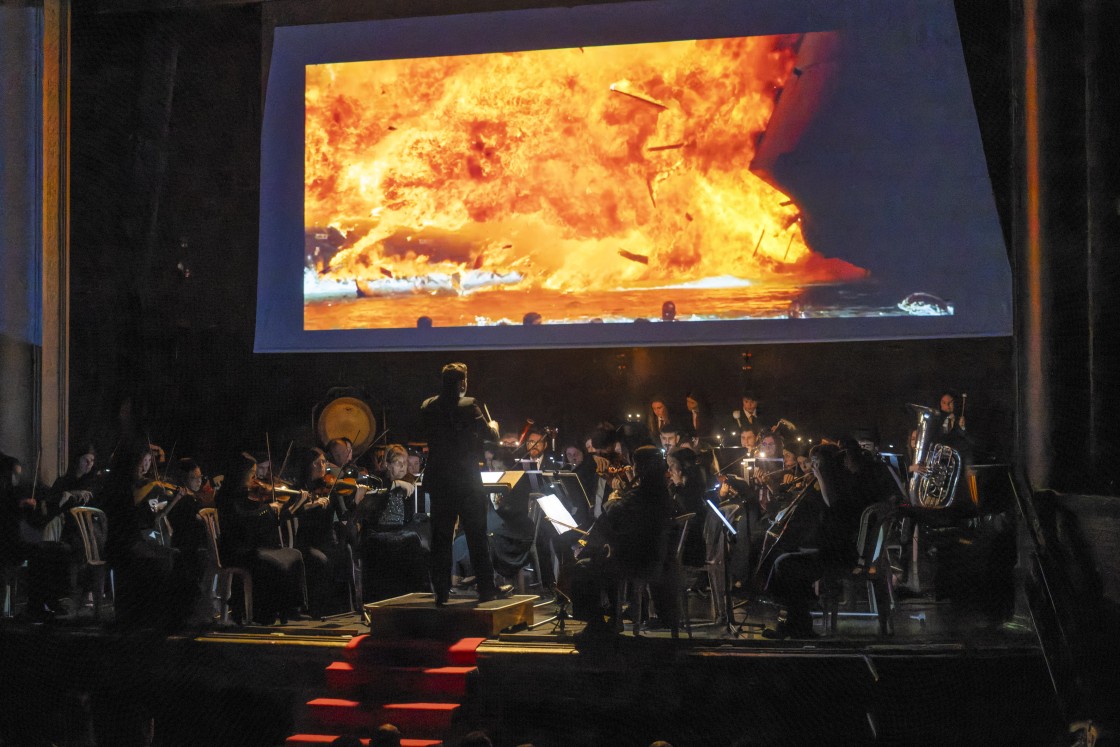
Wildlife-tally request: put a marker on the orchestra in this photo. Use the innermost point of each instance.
(329, 527)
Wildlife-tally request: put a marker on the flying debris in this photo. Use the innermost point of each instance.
(478, 260)
(623, 88)
(674, 146)
(386, 272)
(634, 257)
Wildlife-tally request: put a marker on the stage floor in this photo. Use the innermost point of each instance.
(942, 676)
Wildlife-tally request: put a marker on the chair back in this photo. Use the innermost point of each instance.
(873, 525)
(209, 518)
(52, 532)
(288, 532)
(93, 526)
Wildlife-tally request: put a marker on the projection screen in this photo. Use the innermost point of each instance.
(648, 173)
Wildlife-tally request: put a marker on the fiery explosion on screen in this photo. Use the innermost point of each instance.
(568, 171)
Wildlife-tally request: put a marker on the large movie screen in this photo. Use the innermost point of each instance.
(639, 179)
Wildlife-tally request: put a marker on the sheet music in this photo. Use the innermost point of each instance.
(555, 512)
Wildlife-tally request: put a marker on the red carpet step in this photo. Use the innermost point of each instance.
(317, 740)
(398, 652)
(419, 719)
(431, 683)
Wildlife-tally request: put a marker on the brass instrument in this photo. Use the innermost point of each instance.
(935, 485)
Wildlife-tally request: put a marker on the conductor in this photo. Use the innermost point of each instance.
(456, 429)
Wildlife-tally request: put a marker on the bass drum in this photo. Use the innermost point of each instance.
(346, 415)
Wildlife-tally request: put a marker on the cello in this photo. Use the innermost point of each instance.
(794, 526)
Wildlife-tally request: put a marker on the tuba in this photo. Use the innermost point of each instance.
(938, 485)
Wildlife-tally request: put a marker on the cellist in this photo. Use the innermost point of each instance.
(851, 479)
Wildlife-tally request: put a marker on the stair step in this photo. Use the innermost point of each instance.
(421, 719)
(464, 653)
(422, 682)
(409, 653)
(314, 740)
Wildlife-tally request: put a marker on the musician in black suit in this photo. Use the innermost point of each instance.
(456, 430)
(850, 480)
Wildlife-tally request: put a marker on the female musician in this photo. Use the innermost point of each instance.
(326, 558)
(659, 416)
(77, 486)
(250, 538)
(700, 423)
(637, 528)
(686, 485)
(153, 584)
(392, 545)
(188, 532)
(952, 431)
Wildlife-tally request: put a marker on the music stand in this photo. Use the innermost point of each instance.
(562, 521)
(729, 535)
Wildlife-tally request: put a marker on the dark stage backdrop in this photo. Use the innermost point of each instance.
(167, 118)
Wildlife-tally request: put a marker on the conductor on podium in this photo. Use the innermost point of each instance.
(456, 431)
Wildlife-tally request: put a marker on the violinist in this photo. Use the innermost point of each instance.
(47, 562)
(394, 540)
(153, 584)
(326, 559)
(250, 538)
(188, 532)
(153, 497)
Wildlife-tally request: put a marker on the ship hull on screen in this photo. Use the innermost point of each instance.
(815, 183)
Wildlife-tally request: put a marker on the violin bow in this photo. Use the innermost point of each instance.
(271, 478)
(35, 474)
(284, 464)
(370, 444)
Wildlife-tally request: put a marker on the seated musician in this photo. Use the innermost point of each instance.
(687, 486)
(250, 522)
(850, 479)
(340, 454)
(325, 557)
(700, 425)
(153, 584)
(78, 486)
(188, 532)
(393, 541)
(47, 562)
(671, 437)
(630, 541)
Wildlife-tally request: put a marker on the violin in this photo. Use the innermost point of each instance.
(144, 492)
(263, 491)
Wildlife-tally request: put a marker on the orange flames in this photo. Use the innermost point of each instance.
(569, 170)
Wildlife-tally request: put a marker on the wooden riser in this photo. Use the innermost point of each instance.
(415, 616)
